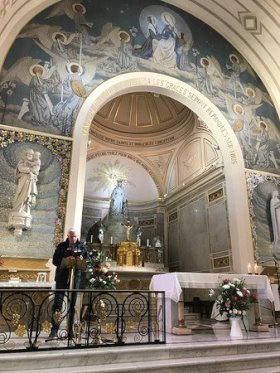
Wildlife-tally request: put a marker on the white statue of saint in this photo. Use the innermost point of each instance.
(101, 235)
(27, 172)
(138, 236)
(118, 200)
(275, 218)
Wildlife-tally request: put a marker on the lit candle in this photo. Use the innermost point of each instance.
(256, 269)
(249, 268)
(148, 242)
(140, 242)
(91, 238)
(111, 240)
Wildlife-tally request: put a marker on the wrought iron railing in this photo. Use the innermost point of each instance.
(31, 319)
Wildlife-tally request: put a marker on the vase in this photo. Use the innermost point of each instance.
(235, 330)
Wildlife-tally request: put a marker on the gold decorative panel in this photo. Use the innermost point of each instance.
(173, 216)
(147, 223)
(23, 268)
(221, 262)
(216, 195)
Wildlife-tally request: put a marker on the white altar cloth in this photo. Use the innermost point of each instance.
(172, 283)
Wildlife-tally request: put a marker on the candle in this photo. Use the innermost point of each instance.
(148, 242)
(91, 238)
(256, 269)
(111, 240)
(249, 268)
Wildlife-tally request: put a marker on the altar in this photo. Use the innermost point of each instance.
(172, 284)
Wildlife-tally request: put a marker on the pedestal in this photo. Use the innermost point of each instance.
(257, 326)
(19, 221)
(181, 329)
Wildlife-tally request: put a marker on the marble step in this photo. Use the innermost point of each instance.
(115, 357)
(236, 363)
(191, 316)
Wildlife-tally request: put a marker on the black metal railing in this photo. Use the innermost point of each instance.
(44, 319)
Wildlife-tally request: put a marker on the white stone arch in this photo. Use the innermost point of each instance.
(239, 221)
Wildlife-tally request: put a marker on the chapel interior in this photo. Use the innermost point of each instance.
(180, 156)
(153, 129)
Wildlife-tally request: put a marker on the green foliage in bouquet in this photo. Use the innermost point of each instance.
(233, 298)
(99, 275)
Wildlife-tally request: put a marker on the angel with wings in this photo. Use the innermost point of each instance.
(31, 73)
(182, 52)
(75, 11)
(210, 74)
(238, 65)
(75, 92)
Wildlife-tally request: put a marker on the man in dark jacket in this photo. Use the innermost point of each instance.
(72, 247)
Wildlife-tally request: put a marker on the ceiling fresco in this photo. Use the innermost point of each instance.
(70, 48)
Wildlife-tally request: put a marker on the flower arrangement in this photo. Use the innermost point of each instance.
(99, 274)
(233, 298)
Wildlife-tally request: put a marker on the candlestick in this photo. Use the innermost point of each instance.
(91, 237)
(249, 268)
(111, 240)
(148, 242)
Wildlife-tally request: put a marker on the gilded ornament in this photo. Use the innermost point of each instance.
(110, 328)
(15, 318)
(21, 330)
(46, 326)
(129, 325)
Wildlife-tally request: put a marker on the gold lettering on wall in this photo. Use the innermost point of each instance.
(156, 82)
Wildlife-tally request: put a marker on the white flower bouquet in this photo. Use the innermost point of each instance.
(233, 298)
(99, 275)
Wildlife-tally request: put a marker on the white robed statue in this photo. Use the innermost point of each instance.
(27, 172)
(275, 218)
(118, 200)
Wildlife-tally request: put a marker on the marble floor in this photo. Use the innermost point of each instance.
(220, 332)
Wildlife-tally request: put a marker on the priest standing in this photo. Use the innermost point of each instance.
(72, 247)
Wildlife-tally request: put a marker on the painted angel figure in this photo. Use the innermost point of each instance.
(182, 52)
(75, 11)
(238, 65)
(124, 55)
(210, 75)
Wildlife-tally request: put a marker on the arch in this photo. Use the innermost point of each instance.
(239, 221)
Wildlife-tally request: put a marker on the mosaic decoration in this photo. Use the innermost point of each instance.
(260, 189)
(53, 182)
(70, 48)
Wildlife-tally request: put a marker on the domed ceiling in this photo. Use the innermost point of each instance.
(142, 113)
